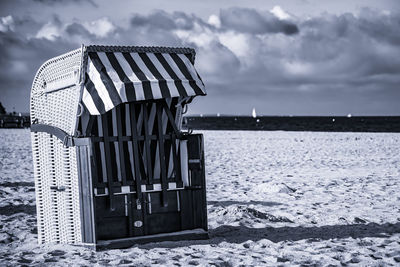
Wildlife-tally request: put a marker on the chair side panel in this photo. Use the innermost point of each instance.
(58, 215)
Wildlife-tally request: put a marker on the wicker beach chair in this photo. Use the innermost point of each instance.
(112, 166)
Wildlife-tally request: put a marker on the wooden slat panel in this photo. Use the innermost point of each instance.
(196, 151)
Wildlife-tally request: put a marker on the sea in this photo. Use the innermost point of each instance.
(295, 123)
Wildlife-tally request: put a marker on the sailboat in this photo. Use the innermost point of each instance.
(253, 113)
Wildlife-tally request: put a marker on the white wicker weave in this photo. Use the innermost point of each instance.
(58, 212)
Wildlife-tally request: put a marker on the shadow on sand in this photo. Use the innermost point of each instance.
(232, 202)
(240, 234)
(10, 210)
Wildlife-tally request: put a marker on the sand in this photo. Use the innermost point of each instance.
(274, 198)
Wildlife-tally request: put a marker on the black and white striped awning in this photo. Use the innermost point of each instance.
(116, 75)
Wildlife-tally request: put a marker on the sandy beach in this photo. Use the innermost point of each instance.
(274, 199)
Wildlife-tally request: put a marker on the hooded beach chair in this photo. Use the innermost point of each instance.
(112, 166)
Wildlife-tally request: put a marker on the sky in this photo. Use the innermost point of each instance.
(288, 57)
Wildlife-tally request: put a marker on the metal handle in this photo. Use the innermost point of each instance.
(60, 188)
(80, 110)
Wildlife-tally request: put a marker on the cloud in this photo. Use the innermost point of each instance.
(214, 20)
(255, 22)
(280, 13)
(162, 20)
(7, 24)
(77, 32)
(101, 27)
(51, 30)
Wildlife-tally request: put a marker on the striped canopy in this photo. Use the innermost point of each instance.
(116, 75)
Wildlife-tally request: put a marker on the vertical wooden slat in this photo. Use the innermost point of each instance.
(100, 162)
(169, 130)
(167, 142)
(128, 146)
(138, 213)
(136, 159)
(147, 144)
(153, 130)
(168, 156)
(203, 185)
(120, 145)
(171, 118)
(176, 160)
(109, 166)
(113, 132)
(96, 164)
(89, 126)
(86, 197)
(102, 159)
(163, 168)
(128, 203)
(185, 196)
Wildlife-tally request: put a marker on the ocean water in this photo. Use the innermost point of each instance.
(296, 123)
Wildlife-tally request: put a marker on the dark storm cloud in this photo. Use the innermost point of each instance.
(380, 26)
(62, 2)
(217, 62)
(19, 61)
(163, 20)
(361, 46)
(383, 28)
(77, 29)
(252, 21)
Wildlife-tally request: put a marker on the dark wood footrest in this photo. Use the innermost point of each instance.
(195, 234)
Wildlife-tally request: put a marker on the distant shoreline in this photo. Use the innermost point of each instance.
(295, 123)
(14, 121)
(266, 123)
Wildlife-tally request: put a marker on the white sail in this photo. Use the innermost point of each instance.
(254, 114)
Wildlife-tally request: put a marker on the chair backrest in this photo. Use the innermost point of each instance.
(114, 133)
(56, 92)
